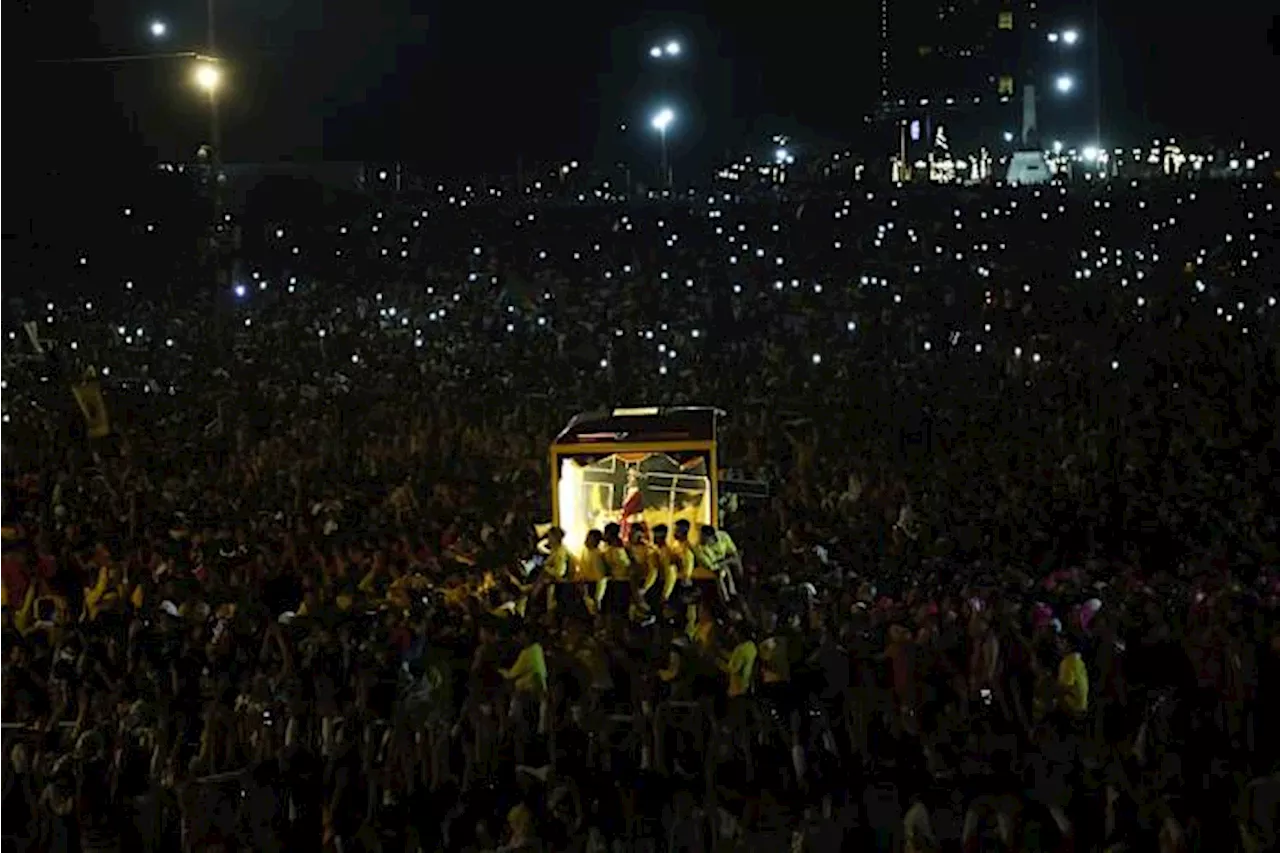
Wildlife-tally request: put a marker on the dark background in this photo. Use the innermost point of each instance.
(465, 87)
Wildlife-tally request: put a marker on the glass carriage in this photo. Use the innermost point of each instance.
(631, 466)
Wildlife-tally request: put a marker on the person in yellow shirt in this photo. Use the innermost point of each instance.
(529, 672)
(719, 553)
(643, 568)
(528, 675)
(721, 548)
(682, 552)
(591, 570)
(617, 586)
(700, 629)
(706, 566)
(1073, 681)
(740, 666)
(661, 563)
(558, 566)
(648, 559)
(107, 593)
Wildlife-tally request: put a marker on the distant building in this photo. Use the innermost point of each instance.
(951, 51)
(962, 64)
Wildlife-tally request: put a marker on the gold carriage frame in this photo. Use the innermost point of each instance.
(635, 431)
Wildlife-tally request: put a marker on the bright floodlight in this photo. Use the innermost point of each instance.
(672, 48)
(655, 52)
(1008, 136)
(1091, 153)
(159, 29)
(1053, 38)
(1064, 83)
(662, 120)
(1071, 37)
(208, 77)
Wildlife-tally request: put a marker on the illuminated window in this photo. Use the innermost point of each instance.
(1005, 21)
(1005, 86)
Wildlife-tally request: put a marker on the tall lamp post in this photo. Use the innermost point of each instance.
(661, 121)
(208, 78)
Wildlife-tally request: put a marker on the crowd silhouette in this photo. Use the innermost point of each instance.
(1007, 580)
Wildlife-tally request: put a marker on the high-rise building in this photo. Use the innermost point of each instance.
(958, 49)
(965, 65)
(958, 63)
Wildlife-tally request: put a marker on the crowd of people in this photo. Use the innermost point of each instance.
(1009, 581)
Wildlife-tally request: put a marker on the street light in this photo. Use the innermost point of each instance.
(158, 29)
(662, 119)
(672, 48)
(1064, 83)
(1070, 37)
(208, 77)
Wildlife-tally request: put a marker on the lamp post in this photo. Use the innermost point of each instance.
(208, 78)
(211, 85)
(661, 121)
(1068, 39)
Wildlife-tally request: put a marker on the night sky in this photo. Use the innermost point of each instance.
(466, 87)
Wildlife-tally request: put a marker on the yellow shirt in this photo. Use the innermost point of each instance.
(741, 666)
(456, 596)
(102, 594)
(724, 548)
(558, 563)
(1073, 683)
(529, 672)
(652, 561)
(641, 557)
(681, 555)
(618, 562)
(591, 565)
(701, 632)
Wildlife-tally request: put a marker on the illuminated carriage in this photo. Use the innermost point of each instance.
(630, 466)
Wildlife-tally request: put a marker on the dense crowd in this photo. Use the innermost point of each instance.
(1012, 585)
